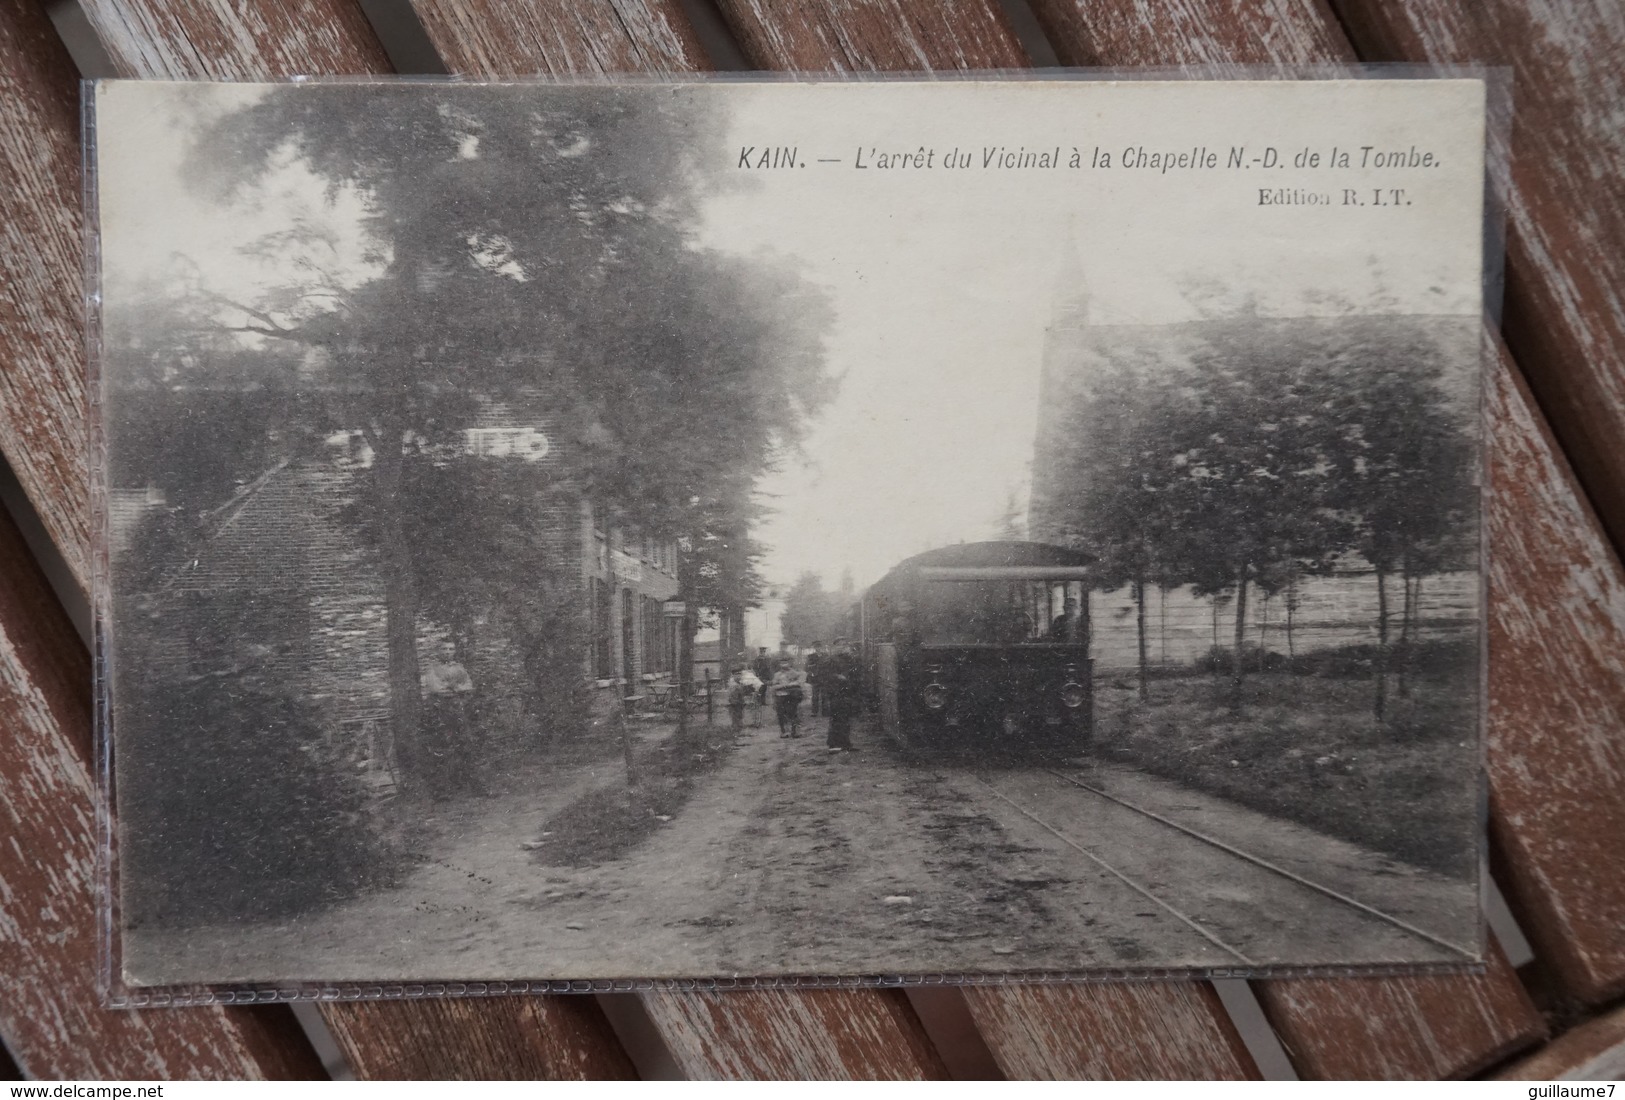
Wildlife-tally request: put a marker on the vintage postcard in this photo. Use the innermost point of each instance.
(777, 529)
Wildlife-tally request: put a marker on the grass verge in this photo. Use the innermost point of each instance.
(613, 818)
(1308, 749)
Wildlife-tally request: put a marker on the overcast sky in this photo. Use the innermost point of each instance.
(944, 280)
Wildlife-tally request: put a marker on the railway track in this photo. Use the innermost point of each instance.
(1192, 921)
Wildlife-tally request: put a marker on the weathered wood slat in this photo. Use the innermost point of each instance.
(901, 35)
(1565, 314)
(491, 38)
(221, 40)
(1557, 644)
(844, 1033)
(1165, 1032)
(1557, 702)
(1594, 1051)
(1401, 1028)
(186, 39)
(883, 36)
(488, 1039)
(1557, 757)
(1301, 32)
(780, 1035)
(42, 386)
(897, 44)
(1224, 33)
(51, 1014)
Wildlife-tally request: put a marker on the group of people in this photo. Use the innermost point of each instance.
(832, 679)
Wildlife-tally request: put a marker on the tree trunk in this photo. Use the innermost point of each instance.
(737, 617)
(1241, 634)
(1145, 660)
(1162, 624)
(685, 638)
(624, 733)
(1407, 628)
(1379, 705)
(400, 606)
(1264, 633)
(1291, 607)
(617, 649)
(685, 661)
(1214, 600)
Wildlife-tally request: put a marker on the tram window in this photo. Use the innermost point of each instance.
(994, 612)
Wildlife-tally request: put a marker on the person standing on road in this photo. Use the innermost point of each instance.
(763, 667)
(737, 691)
(787, 690)
(451, 739)
(814, 663)
(842, 680)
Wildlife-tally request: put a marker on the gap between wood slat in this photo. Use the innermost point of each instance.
(401, 33)
(949, 1026)
(721, 47)
(15, 502)
(1504, 926)
(321, 1039)
(1040, 53)
(83, 46)
(8, 1064)
(639, 1037)
(1236, 995)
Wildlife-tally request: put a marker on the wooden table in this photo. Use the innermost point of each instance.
(1557, 591)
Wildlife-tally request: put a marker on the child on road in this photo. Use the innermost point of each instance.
(787, 691)
(736, 699)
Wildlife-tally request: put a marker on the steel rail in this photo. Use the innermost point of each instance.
(1268, 866)
(1130, 883)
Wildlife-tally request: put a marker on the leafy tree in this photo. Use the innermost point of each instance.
(564, 223)
(1251, 509)
(1118, 471)
(812, 613)
(1403, 460)
(1257, 452)
(519, 629)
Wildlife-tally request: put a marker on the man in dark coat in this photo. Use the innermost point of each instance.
(1068, 625)
(813, 666)
(763, 667)
(842, 680)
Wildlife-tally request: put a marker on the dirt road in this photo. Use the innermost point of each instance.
(788, 859)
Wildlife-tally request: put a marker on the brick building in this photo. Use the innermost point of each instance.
(628, 579)
(277, 589)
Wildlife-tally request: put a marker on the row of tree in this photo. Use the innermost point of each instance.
(533, 252)
(1249, 453)
(813, 613)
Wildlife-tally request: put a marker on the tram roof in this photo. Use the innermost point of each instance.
(997, 555)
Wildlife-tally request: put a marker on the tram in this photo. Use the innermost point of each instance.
(986, 641)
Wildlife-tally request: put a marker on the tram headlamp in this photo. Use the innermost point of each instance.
(1072, 694)
(934, 696)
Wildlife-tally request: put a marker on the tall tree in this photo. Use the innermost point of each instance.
(564, 222)
(1404, 459)
(1251, 507)
(812, 613)
(1117, 472)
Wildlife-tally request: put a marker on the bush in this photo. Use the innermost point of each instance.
(232, 808)
(1222, 659)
